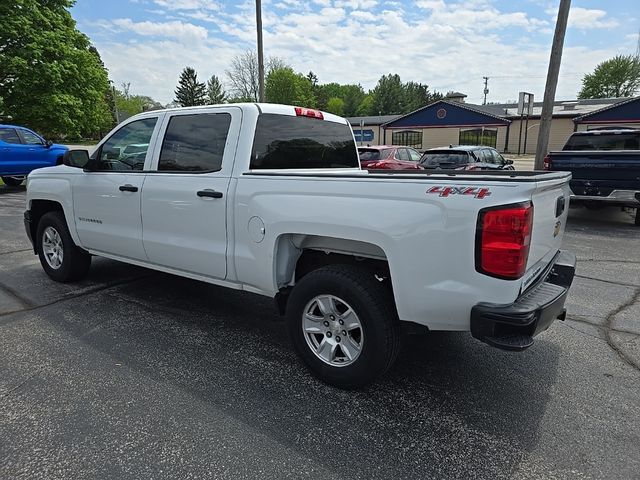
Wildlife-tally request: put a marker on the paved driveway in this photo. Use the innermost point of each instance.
(136, 374)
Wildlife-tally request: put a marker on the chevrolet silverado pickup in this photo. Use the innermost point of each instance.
(605, 168)
(271, 199)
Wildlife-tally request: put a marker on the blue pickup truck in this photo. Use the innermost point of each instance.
(22, 150)
(605, 167)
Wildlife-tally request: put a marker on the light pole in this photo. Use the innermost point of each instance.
(552, 83)
(260, 52)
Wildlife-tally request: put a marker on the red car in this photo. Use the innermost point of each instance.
(391, 157)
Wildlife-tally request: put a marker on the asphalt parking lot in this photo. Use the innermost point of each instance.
(137, 374)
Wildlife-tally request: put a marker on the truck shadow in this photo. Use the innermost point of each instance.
(450, 408)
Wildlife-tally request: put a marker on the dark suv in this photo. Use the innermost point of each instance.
(465, 157)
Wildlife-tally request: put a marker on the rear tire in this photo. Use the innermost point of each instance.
(60, 258)
(343, 324)
(637, 221)
(13, 181)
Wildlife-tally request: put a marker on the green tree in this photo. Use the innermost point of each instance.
(366, 106)
(352, 95)
(283, 85)
(129, 105)
(190, 92)
(215, 91)
(335, 105)
(49, 78)
(417, 95)
(389, 95)
(617, 77)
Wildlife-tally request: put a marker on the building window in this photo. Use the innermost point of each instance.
(409, 138)
(479, 136)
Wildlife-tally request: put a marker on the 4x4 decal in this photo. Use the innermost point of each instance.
(477, 192)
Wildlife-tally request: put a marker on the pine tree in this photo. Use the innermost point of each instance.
(190, 92)
(215, 91)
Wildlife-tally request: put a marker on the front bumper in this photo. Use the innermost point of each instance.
(28, 225)
(512, 327)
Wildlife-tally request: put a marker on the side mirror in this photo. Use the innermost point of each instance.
(48, 143)
(76, 158)
(508, 161)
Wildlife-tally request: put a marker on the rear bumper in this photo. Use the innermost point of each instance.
(512, 327)
(627, 198)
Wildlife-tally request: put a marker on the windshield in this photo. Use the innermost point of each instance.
(444, 158)
(607, 141)
(372, 154)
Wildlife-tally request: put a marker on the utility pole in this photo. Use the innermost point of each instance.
(486, 90)
(552, 83)
(260, 52)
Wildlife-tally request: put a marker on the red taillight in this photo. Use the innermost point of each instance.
(503, 239)
(546, 162)
(309, 112)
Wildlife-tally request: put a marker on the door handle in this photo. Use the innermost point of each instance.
(128, 188)
(209, 193)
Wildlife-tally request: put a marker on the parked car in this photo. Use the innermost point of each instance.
(271, 199)
(465, 157)
(605, 167)
(389, 157)
(22, 150)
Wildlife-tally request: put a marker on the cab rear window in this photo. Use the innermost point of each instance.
(283, 141)
(607, 141)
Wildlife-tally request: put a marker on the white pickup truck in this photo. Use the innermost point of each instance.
(271, 199)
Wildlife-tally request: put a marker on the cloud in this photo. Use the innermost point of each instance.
(175, 29)
(586, 19)
(176, 5)
(449, 46)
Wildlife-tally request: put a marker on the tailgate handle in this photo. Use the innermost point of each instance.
(560, 205)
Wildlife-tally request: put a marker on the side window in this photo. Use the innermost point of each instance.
(30, 138)
(403, 154)
(497, 158)
(195, 143)
(126, 150)
(9, 135)
(413, 155)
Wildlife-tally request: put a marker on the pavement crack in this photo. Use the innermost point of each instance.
(16, 387)
(16, 296)
(585, 333)
(608, 260)
(608, 329)
(83, 293)
(622, 284)
(16, 251)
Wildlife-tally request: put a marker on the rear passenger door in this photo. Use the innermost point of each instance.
(184, 200)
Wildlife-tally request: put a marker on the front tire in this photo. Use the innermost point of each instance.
(13, 181)
(60, 258)
(343, 324)
(637, 220)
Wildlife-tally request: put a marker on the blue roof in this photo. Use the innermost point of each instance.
(446, 114)
(627, 111)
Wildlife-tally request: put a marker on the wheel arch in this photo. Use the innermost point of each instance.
(296, 255)
(39, 207)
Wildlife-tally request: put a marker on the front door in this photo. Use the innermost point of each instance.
(184, 201)
(106, 199)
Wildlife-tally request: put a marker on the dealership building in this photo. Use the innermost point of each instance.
(451, 121)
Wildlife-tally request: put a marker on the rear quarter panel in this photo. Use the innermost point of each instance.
(428, 240)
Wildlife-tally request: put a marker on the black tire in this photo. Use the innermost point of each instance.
(12, 181)
(373, 303)
(75, 261)
(637, 221)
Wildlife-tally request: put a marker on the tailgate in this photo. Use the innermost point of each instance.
(550, 209)
(613, 169)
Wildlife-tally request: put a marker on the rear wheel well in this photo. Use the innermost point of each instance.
(311, 260)
(38, 209)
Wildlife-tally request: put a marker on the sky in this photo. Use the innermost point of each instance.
(448, 45)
